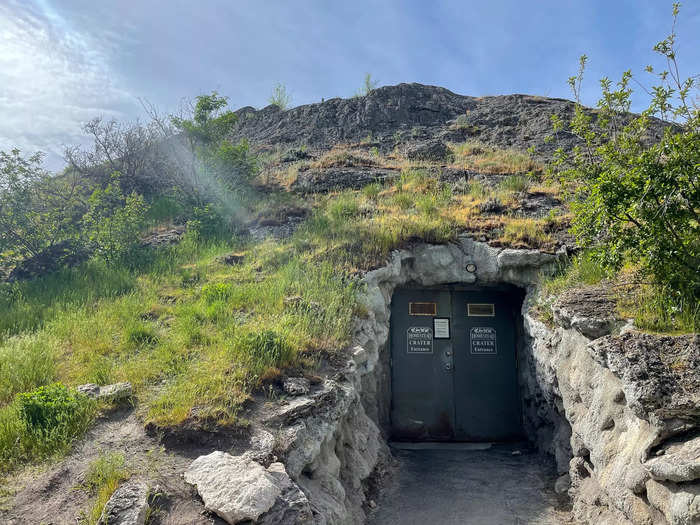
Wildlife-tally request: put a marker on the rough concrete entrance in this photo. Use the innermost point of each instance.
(456, 484)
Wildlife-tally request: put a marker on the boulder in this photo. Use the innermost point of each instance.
(590, 311)
(127, 506)
(231, 259)
(116, 392)
(235, 487)
(164, 237)
(292, 507)
(65, 253)
(680, 504)
(296, 386)
(660, 374)
(435, 150)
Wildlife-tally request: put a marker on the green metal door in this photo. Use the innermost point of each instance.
(487, 401)
(422, 388)
(454, 374)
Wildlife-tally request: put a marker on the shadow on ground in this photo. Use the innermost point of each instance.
(460, 484)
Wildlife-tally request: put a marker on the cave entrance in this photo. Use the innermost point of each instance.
(454, 373)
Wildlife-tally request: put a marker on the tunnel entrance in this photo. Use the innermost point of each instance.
(454, 374)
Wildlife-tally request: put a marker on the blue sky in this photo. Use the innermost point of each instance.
(65, 61)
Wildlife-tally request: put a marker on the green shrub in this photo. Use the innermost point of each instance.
(41, 424)
(213, 292)
(113, 221)
(51, 406)
(632, 198)
(210, 222)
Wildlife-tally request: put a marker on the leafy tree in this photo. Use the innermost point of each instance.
(113, 221)
(633, 197)
(36, 209)
(280, 97)
(220, 170)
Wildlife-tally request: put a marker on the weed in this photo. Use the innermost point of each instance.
(485, 159)
(102, 478)
(515, 183)
(372, 191)
(525, 233)
(213, 292)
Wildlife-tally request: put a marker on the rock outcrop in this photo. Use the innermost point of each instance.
(629, 403)
(412, 114)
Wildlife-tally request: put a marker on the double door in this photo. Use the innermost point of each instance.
(454, 367)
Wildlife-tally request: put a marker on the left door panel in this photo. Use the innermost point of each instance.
(422, 384)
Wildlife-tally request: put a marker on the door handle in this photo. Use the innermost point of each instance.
(448, 366)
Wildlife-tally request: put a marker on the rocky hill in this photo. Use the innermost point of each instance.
(413, 112)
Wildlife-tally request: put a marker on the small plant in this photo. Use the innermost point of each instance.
(114, 221)
(515, 183)
(368, 86)
(209, 222)
(102, 478)
(477, 189)
(461, 122)
(280, 97)
(525, 232)
(372, 191)
(343, 208)
(213, 292)
(264, 351)
(404, 201)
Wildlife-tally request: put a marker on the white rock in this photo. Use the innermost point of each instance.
(115, 392)
(127, 506)
(235, 488)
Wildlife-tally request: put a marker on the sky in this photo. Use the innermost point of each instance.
(63, 62)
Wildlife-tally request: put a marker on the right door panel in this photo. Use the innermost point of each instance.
(487, 402)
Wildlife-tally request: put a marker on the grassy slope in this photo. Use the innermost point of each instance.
(196, 336)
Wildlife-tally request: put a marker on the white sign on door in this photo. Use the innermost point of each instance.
(441, 326)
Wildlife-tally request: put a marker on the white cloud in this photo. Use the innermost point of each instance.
(52, 79)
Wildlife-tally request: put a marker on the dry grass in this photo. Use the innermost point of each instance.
(485, 159)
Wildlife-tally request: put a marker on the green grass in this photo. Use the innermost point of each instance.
(32, 428)
(196, 337)
(652, 307)
(515, 183)
(103, 477)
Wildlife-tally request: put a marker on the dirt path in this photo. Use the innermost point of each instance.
(53, 495)
(458, 484)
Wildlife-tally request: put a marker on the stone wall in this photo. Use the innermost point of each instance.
(620, 415)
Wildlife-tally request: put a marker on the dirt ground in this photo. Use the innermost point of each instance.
(454, 484)
(52, 495)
